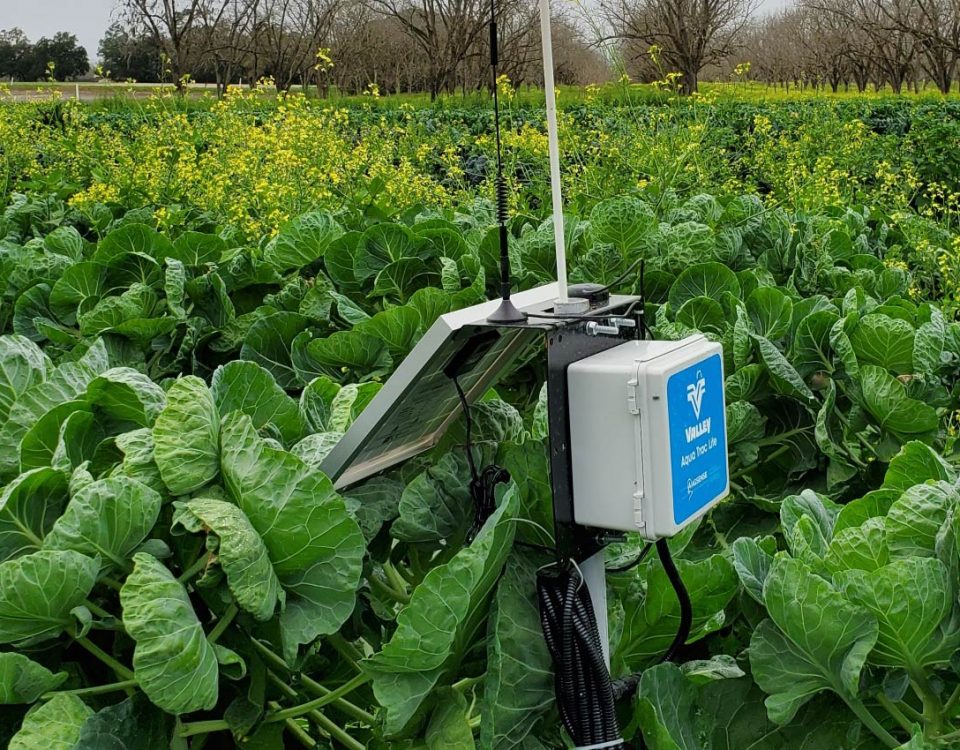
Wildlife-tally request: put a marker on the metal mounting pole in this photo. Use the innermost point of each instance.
(554, 143)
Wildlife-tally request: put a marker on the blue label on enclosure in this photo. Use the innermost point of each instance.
(698, 437)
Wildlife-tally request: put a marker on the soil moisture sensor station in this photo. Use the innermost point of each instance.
(637, 437)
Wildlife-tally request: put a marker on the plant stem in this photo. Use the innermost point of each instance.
(195, 567)
(223, 623)
(305, 739)
(314, 686)
(336, 732)
(98, 611)
(305, 708)
(949, 737)
(932, 708)
(951, 702)
(346, 650)
(895, 712)
(388, 591)
(121, 671)
(318, 718)
(396, 580)
(112, 583)
(202, 727)
(339, 702)
(872, 724)
(911, 713)
(467, 682)
(95, 690)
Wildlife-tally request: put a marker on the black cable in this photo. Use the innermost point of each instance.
(635, 562)
(632, 267)
(483, 483)
(683, 598)
(628, 685)
(585, 697)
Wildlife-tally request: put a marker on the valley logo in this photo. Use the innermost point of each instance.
(695, 393)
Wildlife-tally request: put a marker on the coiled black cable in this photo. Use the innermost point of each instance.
(584, 691)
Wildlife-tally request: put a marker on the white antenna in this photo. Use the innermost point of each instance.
(552, 139)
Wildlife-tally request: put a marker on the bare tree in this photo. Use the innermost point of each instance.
(689, 34)
(288, 35)
(443, 30)
(173, 25)
(935, 24)
(226, 34)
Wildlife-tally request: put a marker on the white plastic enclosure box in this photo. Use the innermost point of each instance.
(648, 435)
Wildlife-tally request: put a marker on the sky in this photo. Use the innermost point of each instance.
(89, 18)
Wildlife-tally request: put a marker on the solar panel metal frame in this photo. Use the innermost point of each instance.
(418, 403)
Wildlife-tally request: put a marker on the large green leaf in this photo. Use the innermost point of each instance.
(885, 398)
(929, 343)
(38, 592)
(397, 327)
(23, 680)
(677, 714)
(703, 280)
(186, 437)
(703, 314)
(240, 552)
(64, 383)
(108, 518)
(134, 723)
(316, 403)
(54, 725)
(302, 240)
(815, 640)
(381, 245)
(915, 464)
(911, 598)
(29, 506)
(132, 238)
(915, 518)
(315, 546)
(812, 351)
(247, 387)
(22, 365)
(518, 687)
(649, 627)
(125, 399)
(884, 341)
(437, 504)
(269, 343)
(401, 278)
(137, 461)
(197, 249)
(862, 547)
(771, 312)
(449, 725)
(346, 353)
(783, 375)
(79, 283)
(622, 222)
(40, 443)
(443, 617)
(752, 561)
(172, 661)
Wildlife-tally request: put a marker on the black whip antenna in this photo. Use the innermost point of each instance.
(507, 312)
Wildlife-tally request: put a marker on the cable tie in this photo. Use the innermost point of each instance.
(600, 745)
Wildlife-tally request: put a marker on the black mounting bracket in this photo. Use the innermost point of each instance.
(567, 344)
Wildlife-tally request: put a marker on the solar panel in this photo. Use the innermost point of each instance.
(419, 402)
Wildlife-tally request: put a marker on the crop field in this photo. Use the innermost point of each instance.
(200, 297)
